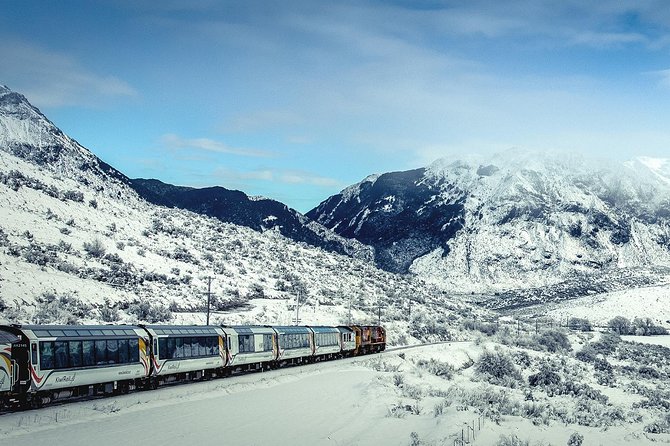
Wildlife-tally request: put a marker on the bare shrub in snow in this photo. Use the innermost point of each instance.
(437, 368)
(498, 368)
(145, 311)
(576, 323)
(554, 341)
(646, 327)
(95, 248)
(575, 439)
(60, 309)
(619, 325)
(511, 441)
(660, 426)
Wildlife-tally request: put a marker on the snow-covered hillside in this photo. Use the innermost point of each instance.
(511, 221)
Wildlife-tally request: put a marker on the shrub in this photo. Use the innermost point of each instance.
(576, 323)
(607, 344)
(95, 248)
(575, 439)
(145, 311)
(649, 372)
(544, 378)
(437, 368)
(620, 325)
(554, 341)
(587, 354)
(512, 441)
(646, 327)
(498, 368)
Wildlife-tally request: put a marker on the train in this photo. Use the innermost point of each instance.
(43, 363)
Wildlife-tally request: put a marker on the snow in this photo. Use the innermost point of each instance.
(348, 401)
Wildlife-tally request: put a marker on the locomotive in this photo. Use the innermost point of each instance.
(42, 363)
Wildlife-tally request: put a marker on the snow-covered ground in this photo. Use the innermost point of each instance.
(651, 302)
(377, 400)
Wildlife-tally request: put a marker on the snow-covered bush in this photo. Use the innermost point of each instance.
(660, 426)
(498, 368)
(437, 368)
(145, 311)
(554, 341)
(575, 439)
(646, 327)
(619, 325)
(55, 309)
(587, 354)
(95, 248)
(576, 323)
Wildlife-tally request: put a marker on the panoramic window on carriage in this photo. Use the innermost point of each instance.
(171, 348)
(188, 343)
(212, 345)
(123, 351)
(162, 348)
(134, 349)
(60, 355)
(88, 353)
(75, 354)
(267, 343)
(179, 348)
(112, 351)
(46, 355)
(101, 352)
(203, 346)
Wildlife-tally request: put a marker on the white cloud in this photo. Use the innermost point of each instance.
(209, 145)
(53, 79)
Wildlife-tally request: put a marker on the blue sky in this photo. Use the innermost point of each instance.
(296, 100)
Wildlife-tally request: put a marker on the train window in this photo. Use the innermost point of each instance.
(96, 332)
(246, 344)
(112, 351)
(83, 332)
(179, 348)
(60, 354)
(46, 355)
(171, 347)
(188, 343)
(75, 354)
(119, 332)
(267, 342)
(162, 348)
(88, 351)
(41, 333)
(134, 349)
(101, 352)
(56, 333)
(33, 351)
(108, 332)
(203, 346)
(213, 345)
(123, 351)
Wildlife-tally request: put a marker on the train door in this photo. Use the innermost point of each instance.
(20, 367)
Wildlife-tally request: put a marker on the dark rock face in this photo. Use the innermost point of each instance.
(233, 206)
(397, 214)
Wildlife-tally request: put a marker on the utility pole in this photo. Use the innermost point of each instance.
(349, 319)
(409, 308)
(379, 310)
(209, 295)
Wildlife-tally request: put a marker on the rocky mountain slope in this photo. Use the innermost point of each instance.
(233, 206)
(516, 220)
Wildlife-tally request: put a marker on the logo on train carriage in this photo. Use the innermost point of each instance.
(66, 378)
(173, 366)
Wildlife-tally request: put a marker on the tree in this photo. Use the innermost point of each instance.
(619, 325)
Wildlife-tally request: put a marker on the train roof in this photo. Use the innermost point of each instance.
(183, 329)
(75, 331)
(323, 329)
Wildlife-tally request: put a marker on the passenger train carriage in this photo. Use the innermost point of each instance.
(40, 363)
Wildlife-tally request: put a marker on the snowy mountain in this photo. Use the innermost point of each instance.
(78, 244)
(514, 220)
(233, 206)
